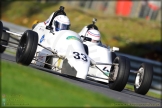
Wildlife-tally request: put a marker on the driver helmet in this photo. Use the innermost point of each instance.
(61, 22)
(93, 35)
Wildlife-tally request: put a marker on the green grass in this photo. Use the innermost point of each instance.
(25, 86)
(149, 93)
(123, 32)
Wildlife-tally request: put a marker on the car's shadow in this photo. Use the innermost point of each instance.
(87, 80)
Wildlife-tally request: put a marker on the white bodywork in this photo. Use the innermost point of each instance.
(66, 51)
(67, 44)
(99, 53)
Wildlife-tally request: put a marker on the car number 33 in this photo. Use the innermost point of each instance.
(78, 55)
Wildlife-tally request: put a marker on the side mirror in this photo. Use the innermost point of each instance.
(114, 49)
(49, 27)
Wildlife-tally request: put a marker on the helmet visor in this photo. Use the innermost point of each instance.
(59, 26)
(89, 39)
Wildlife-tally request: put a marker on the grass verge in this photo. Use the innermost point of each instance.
(25, 86)
(149, 93)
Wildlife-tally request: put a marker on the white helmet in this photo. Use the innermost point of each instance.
(94, 35)
(61, 22)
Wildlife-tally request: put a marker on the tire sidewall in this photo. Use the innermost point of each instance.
(123, 73)
(4, 37)
(113, 56)
(31, 39)
(1, 28)
(147, 79)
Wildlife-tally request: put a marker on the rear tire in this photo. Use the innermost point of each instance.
(1, 29)
(4, 40)
(142, 85)
(122, 71)
(27, 47)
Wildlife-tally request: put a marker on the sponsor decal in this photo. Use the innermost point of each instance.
(106, 71)
(41, 29)
(73, 38)
(46, 22)
(42, 39)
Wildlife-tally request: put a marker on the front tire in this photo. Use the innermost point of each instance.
(113, 56)
(143, 79)
(27, 47)
(121, 71)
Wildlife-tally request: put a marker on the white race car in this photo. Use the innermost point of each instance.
(64, 52)
(115, 69)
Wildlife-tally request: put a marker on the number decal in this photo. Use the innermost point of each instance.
(104, 69)
(78, 56)
(84, 57)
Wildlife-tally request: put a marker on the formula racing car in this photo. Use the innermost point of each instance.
(115, 69)
(66, 53)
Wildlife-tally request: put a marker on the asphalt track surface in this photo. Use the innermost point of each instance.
(129, 97)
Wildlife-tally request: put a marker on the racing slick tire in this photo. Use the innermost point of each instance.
(113, 56)
(143, 79)
(4, 39)
(27, 47)
(121, 72)
(1, 30)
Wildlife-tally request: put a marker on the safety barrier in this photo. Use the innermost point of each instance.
(135, 63)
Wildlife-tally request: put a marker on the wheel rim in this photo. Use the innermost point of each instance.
(22, 47)
(114, 72)
(139, 77)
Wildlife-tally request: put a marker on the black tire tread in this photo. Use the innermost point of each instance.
(4, 39)
(147, 80)
(32, 41)
(123, 74)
